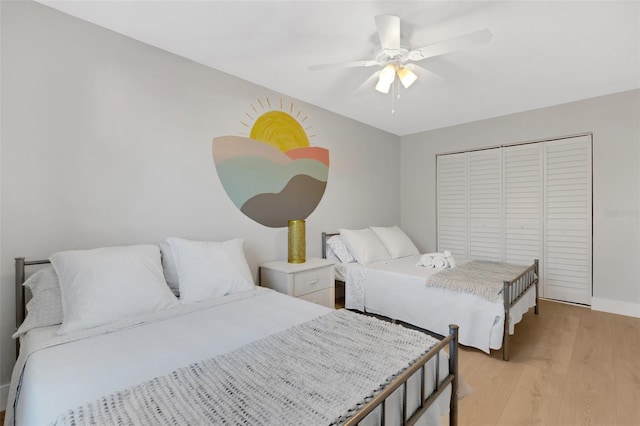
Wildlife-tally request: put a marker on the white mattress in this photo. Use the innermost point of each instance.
(396, 289)
(70, 374)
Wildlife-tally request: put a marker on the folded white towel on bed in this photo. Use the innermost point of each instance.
(440, 262)
(437, 260)
(426, 261)
(449, 257)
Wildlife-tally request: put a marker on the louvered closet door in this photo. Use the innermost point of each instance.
(567, 268)
(485, 204)
(452, 204)
(523, 203)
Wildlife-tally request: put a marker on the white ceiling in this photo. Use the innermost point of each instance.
(542, 52)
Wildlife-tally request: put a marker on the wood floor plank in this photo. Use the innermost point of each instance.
(536, 398)
(626, 365)
(492, 381)
(591, 372)
(546, 360)
(570, 366)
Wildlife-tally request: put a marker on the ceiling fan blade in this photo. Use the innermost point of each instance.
(367, 86)
(423, 73)
(476, 38)
(388, 31)
(352, 64)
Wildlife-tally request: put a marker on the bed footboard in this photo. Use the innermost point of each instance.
(425, 400)
(512, 292)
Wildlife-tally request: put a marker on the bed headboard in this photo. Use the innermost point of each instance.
(325, 237)
(21, 294)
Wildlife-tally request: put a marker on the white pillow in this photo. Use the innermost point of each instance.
(364, 245)
(45, 307)
(169, 268)
(210, 269)
(335, 246)
(107, 284)
(397, 243)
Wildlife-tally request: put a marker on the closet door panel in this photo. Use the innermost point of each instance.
(485, 204)
(452, 204)
(523, 203)
(568, 201)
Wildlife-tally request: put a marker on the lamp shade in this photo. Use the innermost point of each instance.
(407, 77)
(385, 79)
(383, 87)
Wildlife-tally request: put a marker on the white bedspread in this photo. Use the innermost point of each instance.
(70, 374)
(341, 270)
(114, 360)
(396, 289)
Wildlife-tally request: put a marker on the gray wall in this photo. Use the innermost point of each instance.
(107, 141)
(614, 121)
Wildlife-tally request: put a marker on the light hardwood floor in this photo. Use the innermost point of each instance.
(568, 366)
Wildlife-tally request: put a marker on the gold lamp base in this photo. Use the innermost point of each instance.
(297, 244)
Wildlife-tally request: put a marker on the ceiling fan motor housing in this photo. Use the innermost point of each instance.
(393, 56)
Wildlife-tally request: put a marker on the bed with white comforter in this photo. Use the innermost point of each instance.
(397, 289)
(384, 275)
(61, 376)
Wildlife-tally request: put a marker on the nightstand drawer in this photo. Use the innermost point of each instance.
(323, 297)
(311, 281)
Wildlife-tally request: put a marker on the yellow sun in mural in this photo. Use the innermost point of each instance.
(277, 127)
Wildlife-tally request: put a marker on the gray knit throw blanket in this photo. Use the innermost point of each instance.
(479, 277)
(316, 373)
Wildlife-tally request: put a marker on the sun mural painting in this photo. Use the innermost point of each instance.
(273, 175)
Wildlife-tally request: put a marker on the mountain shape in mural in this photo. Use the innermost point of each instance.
(267, 184)
(298, 195)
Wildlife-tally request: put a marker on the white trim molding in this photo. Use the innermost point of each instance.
(615, 307)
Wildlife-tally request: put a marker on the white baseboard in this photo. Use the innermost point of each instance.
(4, 395)
(615, 307)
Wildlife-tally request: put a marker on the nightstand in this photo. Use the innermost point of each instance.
(313, 280)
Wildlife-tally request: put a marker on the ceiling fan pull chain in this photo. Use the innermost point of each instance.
(393, 98)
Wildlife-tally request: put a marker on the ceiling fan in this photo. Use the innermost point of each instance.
(393, 57)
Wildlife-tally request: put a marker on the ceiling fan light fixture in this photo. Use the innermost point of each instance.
(383, 87)
(387, 75)
(407, 77)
